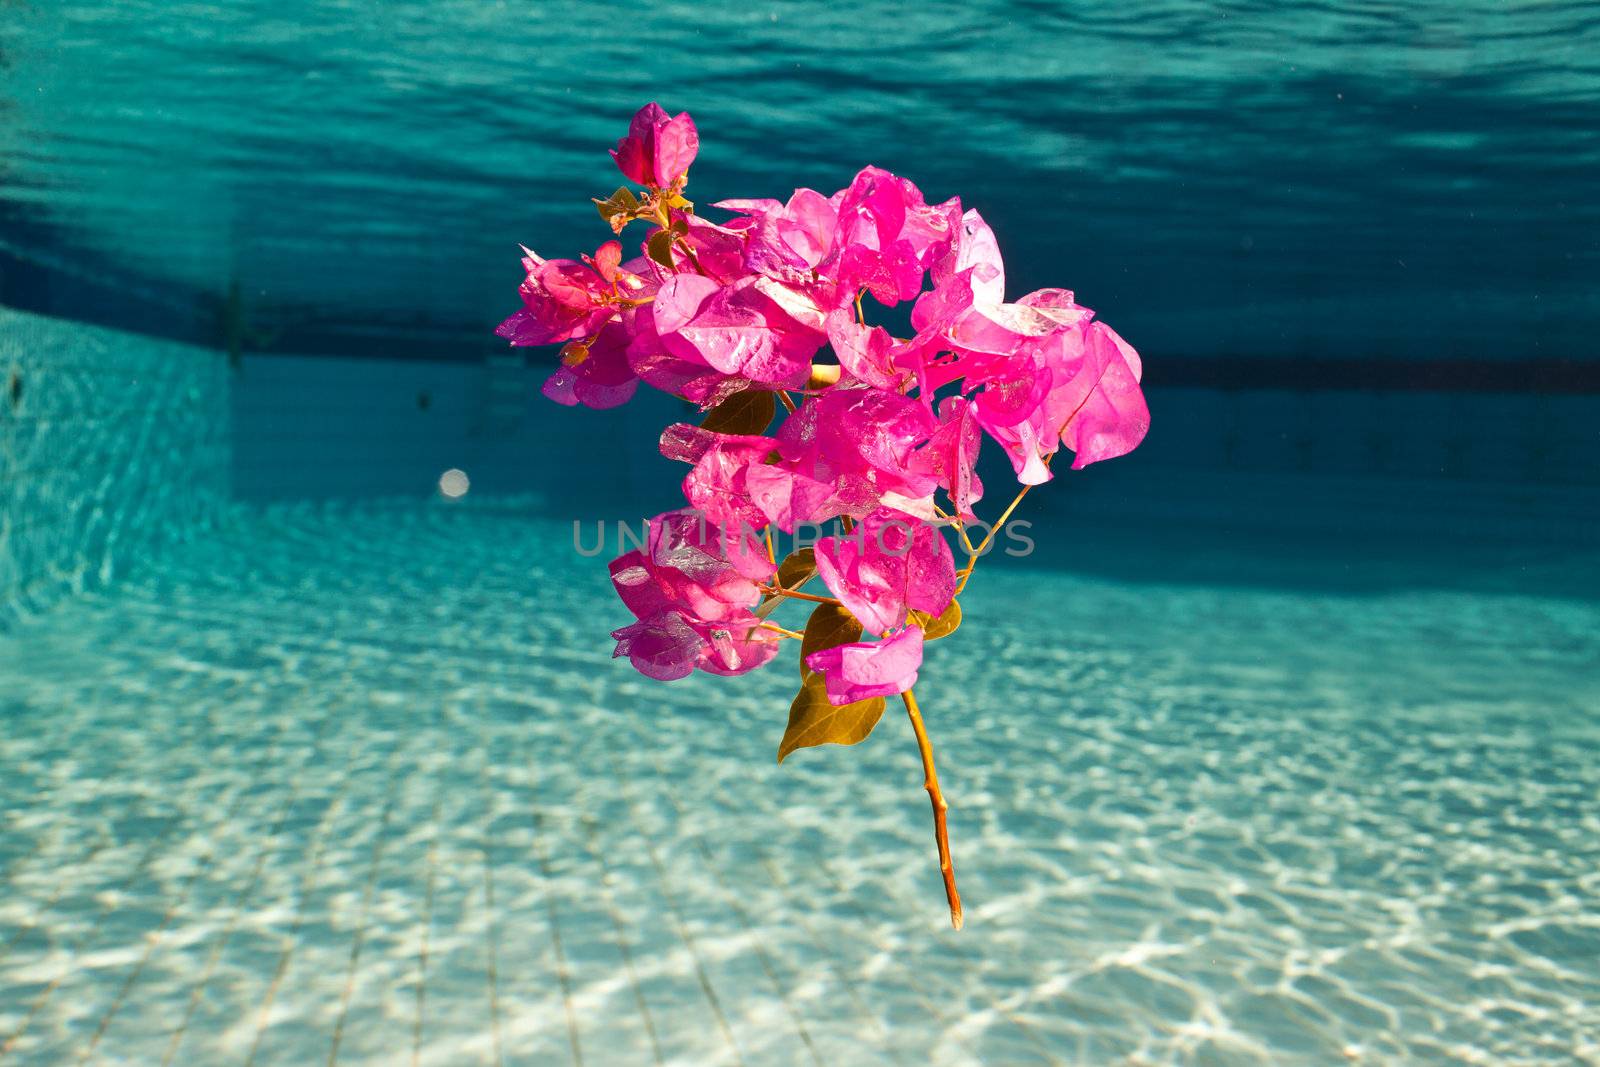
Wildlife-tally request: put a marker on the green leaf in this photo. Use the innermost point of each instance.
(801, 564)
(659, 247)
(749, 412)
(813, 721)
(945, 625)
(618, 209)
(830, 626)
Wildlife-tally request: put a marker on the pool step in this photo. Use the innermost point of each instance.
(507, 386)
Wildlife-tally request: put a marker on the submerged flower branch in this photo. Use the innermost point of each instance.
(878, 432)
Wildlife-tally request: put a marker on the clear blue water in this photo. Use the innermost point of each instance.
(1281, 751)
(358, 784)
(1267, 179)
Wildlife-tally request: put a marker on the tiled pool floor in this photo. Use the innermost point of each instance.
(361, 786)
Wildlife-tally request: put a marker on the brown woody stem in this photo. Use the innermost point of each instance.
(930, 782)
(965, 574)
(774, 590)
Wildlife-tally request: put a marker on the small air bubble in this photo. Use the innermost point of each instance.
(454, 483)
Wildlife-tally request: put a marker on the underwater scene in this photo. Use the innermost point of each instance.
(964, 534)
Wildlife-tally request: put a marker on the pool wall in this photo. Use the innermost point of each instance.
(113, 442)
(110, 442)
(325, 426)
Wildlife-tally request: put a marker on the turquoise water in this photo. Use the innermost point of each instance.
(358, 784)
(1244, 178)
(1280, 751)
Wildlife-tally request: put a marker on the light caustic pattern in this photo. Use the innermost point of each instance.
(355, 786)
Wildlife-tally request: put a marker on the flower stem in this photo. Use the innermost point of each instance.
(930, 782)
(775, 628)
(972, 561)
(773, 590)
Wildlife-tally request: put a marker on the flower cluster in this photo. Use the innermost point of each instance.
(768, 304)
(882, 433)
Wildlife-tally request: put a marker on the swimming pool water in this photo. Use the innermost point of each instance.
(360, 785)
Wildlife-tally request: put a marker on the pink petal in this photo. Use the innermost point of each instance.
(737, 646)
(1112, 418)
(676, 144)
(663, 646)
(635, 583)
(975, 248)
(888, 563)
(869, 669)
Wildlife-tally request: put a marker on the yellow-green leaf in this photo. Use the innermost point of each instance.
(749, 412)
(943, 626)
(659, 247)
(801, 564)
(813, 721)
(618, 209)
(830, 626)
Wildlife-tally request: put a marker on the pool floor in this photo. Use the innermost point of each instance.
(360, 785)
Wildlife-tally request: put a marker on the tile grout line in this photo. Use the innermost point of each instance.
(933, 1010)
(100, 846)
(542, 859)
(832, 962)
(591, 845)
(493, 963)
(308, 880)
(361, 929)
(154, 942)
(805, 924)
(824, 865)
(680, 926)
(237, 912)
(313, 869)
(427, 930)
(105, 912)
(210, 855)
(744, 920)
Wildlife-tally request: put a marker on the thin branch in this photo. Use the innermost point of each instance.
(781, 629)
(930, 782)
(774, 590)
(966, 572)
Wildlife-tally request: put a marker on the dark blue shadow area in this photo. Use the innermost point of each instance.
(1253, 182)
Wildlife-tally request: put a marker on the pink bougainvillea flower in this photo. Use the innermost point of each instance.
(658, 149)
(974, 246)
(951, 455)
(1086, 395)
(690, 379)
(706, 248)
(861, 441)
(1095, 404)
(870, 669)
(890, 562)
(754, 329)
(595, 373)
(786, 240)
(708, 570)
(735, 481)
(564, 299)
(690, 589)
(866, 353)
(672, 644)
(887, 237)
